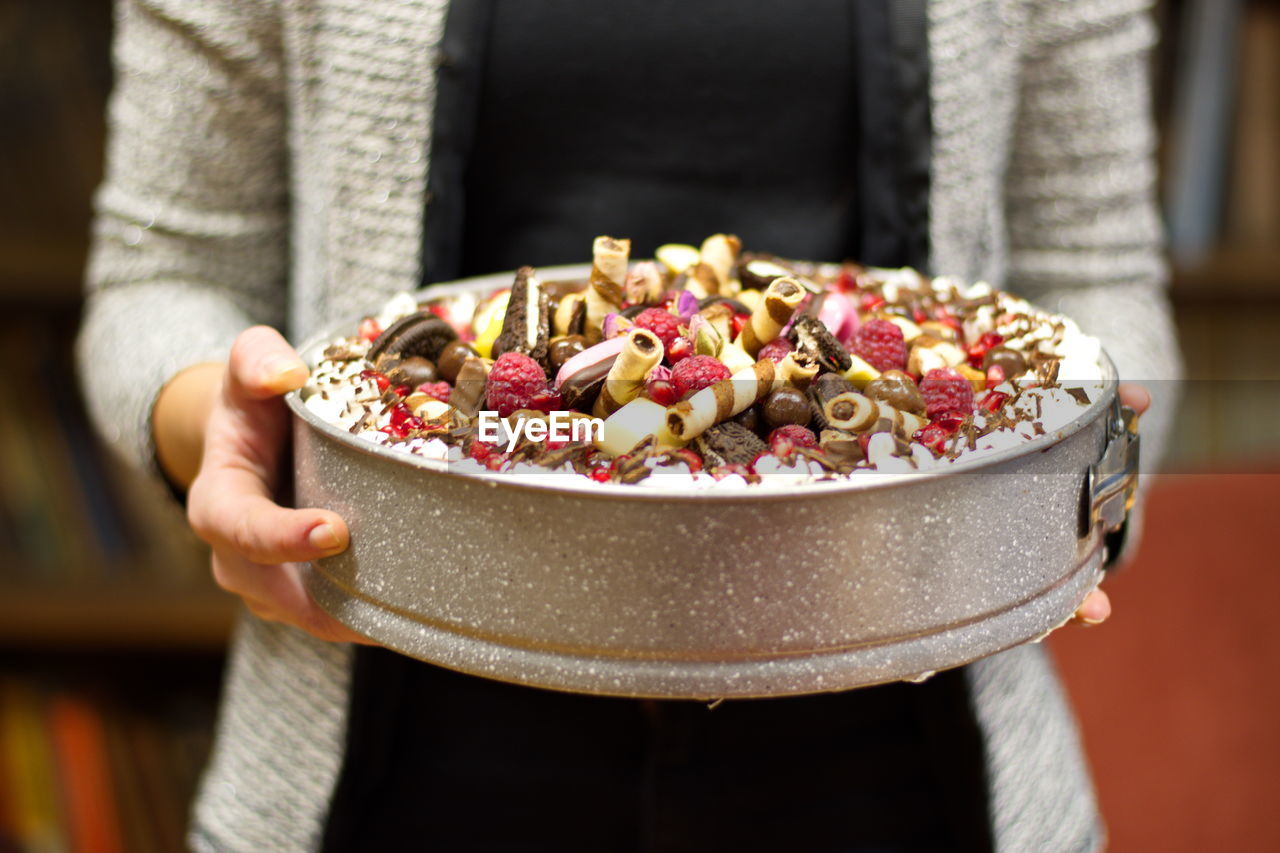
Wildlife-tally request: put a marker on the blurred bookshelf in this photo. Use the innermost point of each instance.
(111, 630)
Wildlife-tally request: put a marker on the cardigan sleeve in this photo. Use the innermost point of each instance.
(1084, 232)
(189, 242)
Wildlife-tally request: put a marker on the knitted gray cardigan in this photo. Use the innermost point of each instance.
(268, 164)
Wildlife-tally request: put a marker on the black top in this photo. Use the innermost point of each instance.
(800, 127)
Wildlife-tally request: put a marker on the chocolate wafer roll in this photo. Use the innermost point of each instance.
(851, 412)
(773, 312)
(526, 327)
(644, 284)
(641, 352)
(797, 369)
(605, 286)
(721, 401)
(720, 253)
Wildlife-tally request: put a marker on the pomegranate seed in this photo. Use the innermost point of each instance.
(439, 310)
(870, 302)
(933, 437)
(739, 321)
(864, 438)
(601, 474)
(479, 451)
(546, 401)
(918, 315)
(950, 422)
(369, 329)
(382, 381)
(494, 461)
(693, 460)
(402, 390)
(662, 392)
(413, 422)
(991, 339)
(736, 468)
(399, 415)
(680, 348)
(556, 443)
(845, 282)
(995, 376)
(993, 400)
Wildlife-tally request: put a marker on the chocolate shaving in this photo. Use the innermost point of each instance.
(1079, 395)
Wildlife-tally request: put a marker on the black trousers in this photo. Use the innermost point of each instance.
(441, 760)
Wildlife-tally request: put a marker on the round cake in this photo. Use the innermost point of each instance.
(710, 368)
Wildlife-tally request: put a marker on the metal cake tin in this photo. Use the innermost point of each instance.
(668, 593)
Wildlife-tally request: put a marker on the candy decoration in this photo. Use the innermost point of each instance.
(774, 311)
(640, 353)
(726, 398)
(605, 286)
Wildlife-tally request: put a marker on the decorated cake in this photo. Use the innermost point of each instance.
(708, 367)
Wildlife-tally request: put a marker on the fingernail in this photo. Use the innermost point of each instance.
(324, 537)
(1091, 622)
(279, 368)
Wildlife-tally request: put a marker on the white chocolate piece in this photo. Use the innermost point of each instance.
(924, 358)
(860, 373)
(780, 301)
(735, 357)
(910, 331)
(626, 377)
(677, 257)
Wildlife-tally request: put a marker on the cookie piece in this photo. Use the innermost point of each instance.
(526, 327)
(422, 334)
(811, 336)
(729, 443)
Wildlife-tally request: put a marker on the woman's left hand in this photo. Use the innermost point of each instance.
(1097, 607)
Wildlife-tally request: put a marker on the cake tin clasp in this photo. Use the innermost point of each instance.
(1113, 479)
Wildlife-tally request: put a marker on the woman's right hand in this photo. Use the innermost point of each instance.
(256, 543)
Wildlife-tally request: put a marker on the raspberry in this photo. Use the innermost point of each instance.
(514, 382)
(776, 350)
(664, 324)
(787, 438)
(880, 344)
(945, 390)
(435, 390)
(697, 372)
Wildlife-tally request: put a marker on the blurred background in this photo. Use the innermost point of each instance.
(112, 635)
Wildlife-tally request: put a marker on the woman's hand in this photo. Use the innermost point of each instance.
(1097, 606)
(230, 504)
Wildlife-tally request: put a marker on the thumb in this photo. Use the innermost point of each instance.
(263, 365)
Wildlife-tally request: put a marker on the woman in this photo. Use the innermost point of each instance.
(290, 164)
